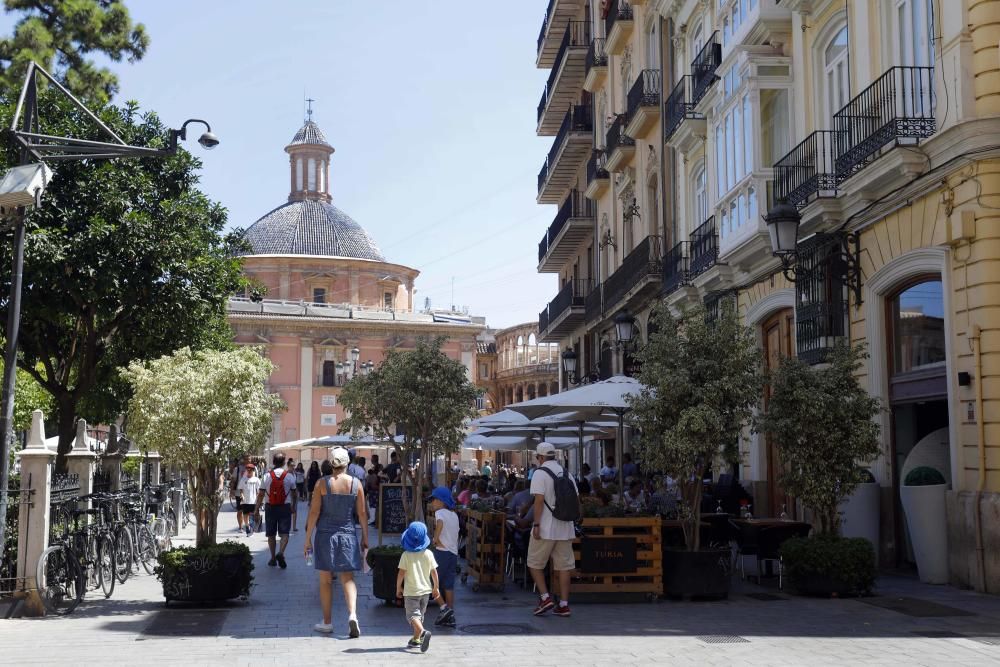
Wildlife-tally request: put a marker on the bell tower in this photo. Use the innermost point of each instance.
(309, 162)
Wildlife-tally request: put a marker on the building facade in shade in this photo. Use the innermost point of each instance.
(875, 124)
(515, 366)
(333, 302)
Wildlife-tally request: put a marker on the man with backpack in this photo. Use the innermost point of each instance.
(278, 488)
(556, 508)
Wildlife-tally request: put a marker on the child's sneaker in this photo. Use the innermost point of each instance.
(544, 604)
(425, 641)
(413, 643)
(562, 610)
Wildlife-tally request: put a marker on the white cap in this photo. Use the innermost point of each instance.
(545, 449)
(340, 457)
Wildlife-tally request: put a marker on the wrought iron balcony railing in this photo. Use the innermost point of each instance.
(545, 24)
(596, 56)
(675, 268)
(543, 320)
(543, 174)
(703, 67)
(808, 170)
(645, 92)
(543, 246)
(597, 166)
(821, 301)
(642, 262)
(678, 106)
(580, 118)
(593, 305)
(572, 294)
(704, 247)
(576, 205)
(616, 135)
(619, 10)
(898, 105)
(542, 103)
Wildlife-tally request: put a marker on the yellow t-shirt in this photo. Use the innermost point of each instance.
(418, 566)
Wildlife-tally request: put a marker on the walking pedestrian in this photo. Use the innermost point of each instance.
(356, 468)
(311, 478)
(300, 481)
(236, 489)
(331, 513)
(290, 469)
(278, 487)
(445, 551)
(417, 582)
(552, 538)
(249, 487)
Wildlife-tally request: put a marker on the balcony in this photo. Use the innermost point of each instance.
(557, 15)
(543, 319)
(570, 148)
(703, 68)
(675, 268)
(643, 103)
(596, 66)
(565, 312)
(638, 275)
(574, 222)
(565, 79)
(618, 146)
(618, 27)
(704, 242)
(808, 171)
(897, 109)
(593, 305)
(598, 177)
(821, 297)
(683, 126)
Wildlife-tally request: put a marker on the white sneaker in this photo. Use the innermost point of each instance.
(325, 628)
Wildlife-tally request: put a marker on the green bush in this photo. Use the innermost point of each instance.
(923, 476)
(172, 563)
(386, 550)
(831, 564)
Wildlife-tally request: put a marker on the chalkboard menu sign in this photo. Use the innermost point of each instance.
(391, 513)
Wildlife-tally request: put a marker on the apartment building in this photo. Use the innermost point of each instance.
(831, 168)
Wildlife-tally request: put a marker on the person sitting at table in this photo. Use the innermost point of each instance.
(464, 493)
(482, 490)
(629, 469)
(521, 496)
(635, 497)
(525, 517)
(664, 498)
(609, 471)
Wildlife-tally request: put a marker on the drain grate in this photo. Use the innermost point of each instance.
(766, 597)
(498, 629)
(938, 634)
(723, 639)
(915, 607)
(186, 623)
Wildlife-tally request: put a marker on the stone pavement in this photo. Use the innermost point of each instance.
(275, 628)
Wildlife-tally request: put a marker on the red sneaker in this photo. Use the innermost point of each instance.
(562, 610)
(544, 604)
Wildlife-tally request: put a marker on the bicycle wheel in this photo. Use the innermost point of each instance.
(146, 548)
(106, 570)
(123, 553)
(59, 580)
(188, 513)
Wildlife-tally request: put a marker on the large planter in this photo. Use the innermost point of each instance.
(211, 574)
(699, 574)
(924, 507)
(384, 565)
(860, 513)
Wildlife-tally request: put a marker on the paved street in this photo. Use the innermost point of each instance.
(275, 627)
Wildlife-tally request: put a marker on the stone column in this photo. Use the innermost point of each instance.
(80, 462)
(111, 462)
(33, 513)
(152, 466)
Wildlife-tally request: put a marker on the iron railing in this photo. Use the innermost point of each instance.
(703, 67)
(572, 294)
(593, 304)
(704, 247)
(645, 92)
(543, 320)
(596, 55)
(616, 136)
(643, 262)
(545, 24)
(576, 205)
(577, 34)
(821, 301)
(543, 175)
(597, 166)
(718, 302)
(818, 327)
(543, 246)
(619, 11)
(678, 106)
(579, 118)
(543, 103)
(898, 105)
(807, 170)
(675, 268)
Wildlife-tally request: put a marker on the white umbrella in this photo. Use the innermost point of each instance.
(498, 418)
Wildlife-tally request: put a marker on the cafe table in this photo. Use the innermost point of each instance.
(748, 534)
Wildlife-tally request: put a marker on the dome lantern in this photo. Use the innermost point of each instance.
(309, 163)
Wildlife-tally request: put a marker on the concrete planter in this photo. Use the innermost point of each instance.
(924, 507)
(860, 513)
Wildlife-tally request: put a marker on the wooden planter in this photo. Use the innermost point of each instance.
(484, 548)
(205, 581)
(619, 555)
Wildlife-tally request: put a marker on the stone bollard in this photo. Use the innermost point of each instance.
(80, 462)
(34, 512)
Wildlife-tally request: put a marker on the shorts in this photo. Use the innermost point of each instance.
(247, 508)
(560, 551)
(277, 519)
(446, 561)
(416, 607)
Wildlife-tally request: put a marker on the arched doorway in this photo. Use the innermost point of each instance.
(777, 333)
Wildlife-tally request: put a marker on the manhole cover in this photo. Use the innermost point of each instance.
(723, 639)
(186, 623)
(766, 597)
(497, 629)
(937, 634)
(915, 607)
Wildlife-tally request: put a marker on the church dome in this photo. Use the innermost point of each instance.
(310, 227)
(309, 133)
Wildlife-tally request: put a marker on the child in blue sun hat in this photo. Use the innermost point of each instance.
(445, 547)
(417, 582)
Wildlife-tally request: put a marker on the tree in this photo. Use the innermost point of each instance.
(701, 380)
(421, 392)
(124, 261)
(199, 410)
(60, 35)
(822, 422)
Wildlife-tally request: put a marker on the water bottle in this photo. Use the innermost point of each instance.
(309, 557)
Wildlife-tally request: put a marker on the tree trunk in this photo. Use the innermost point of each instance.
(205, 496)
(66, 427)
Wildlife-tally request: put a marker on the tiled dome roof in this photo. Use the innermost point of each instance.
(309, 134)
(311, 227)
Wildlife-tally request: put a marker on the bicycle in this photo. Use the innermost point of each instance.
(80, 560)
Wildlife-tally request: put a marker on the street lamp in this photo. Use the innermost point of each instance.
(624, 328)
(569, 363)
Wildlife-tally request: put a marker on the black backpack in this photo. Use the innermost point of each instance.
(567, 500)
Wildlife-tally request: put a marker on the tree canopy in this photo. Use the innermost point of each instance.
(822, 422)
(424, 394)
(125, 260)
(199, 409)
(701, 381)
(61, 35)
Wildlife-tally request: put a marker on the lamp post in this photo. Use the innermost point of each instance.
(35, 148)
(569, 364)
(624, 334)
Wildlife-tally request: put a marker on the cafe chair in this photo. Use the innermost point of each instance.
(769, 542)
(745, 538)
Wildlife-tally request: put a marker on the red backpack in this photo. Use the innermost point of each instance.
(276, 489)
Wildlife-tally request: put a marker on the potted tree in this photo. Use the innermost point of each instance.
(200, 409)
(701, 379)
(859, 512)
(922, 495)
(822, 422)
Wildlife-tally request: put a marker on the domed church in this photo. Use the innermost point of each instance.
(333, 303)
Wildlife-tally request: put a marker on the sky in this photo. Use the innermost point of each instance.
(430, 106)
